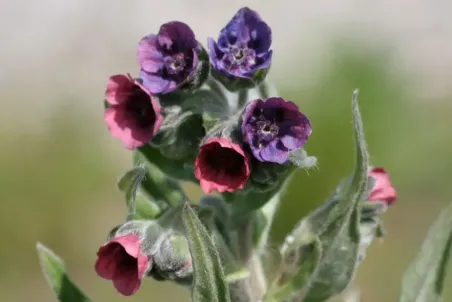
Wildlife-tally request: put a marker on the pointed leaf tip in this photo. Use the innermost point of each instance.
(339, 233)
(54, 271)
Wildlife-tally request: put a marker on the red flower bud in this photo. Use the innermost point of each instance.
(383, 189)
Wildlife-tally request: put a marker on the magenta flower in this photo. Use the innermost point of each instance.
(383, 189)
(169, 59)
(273, 128)
(122, 261)
(243, 46)
(134, 114)
(221, 165)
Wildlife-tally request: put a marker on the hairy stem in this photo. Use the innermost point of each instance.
(254, 287)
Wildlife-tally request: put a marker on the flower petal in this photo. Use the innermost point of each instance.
(150, 58)
(383, 189)
(127, 131)
(119, 88)
(177, 36)
(157, 84)
(126, 281)
(107, 259)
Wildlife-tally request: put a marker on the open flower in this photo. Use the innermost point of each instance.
(221, 165)
(383, 189)
(134, 114)
(273, 128)
(122, 261)
(170, 58)
(243, 46)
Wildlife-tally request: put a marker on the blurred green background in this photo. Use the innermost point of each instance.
(57, 184)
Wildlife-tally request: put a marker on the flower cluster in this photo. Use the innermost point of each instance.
(189, 117)
(172, 61)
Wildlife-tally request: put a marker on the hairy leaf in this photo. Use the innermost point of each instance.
(340, 239)
(163, 189)
(209, 282)
(55, 273)
(424, 279)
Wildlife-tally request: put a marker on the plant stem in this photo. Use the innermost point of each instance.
(254, 287)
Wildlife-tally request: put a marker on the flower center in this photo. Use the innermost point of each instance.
(267, 130)
(175, 64)
(239, 58)
(139, 109)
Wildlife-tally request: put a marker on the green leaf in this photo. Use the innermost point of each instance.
(162, 189)
(55, 272)
(209, 282)
(299, 266)
(424, 279)
(176, 168)
(207, 101)
(341, 236)
(128, 184)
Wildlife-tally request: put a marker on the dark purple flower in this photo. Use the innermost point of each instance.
(134, 114)
(273, 128)
(169, 59)
(243, 46)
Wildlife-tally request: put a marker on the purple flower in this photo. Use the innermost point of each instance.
(169, 59)
(243, 46)
(273, 128)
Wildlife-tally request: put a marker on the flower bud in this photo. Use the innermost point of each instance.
(241, 56)
(172, 59)
(383, 189)
(133, 114)
(121, 259)
(172, 259)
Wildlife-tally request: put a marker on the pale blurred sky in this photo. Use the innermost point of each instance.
(50, 47)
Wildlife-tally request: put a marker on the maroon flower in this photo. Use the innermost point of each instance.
(383, 189)
(134, 114)
(221, 165)
(122, 261)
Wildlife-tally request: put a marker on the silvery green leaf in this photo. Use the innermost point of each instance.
(209, 282)
(175, 168)
(128, 184)
(207, 101)
(162, 189)
(55, 273)
(300, 265)
(340, 239)
(370, 209)
(424, 279)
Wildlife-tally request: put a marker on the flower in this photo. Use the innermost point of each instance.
(273, 128)
(221, 165)
(383, 189)
(169, 59)
(243, 46)
(134, 114)
(122, 261)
